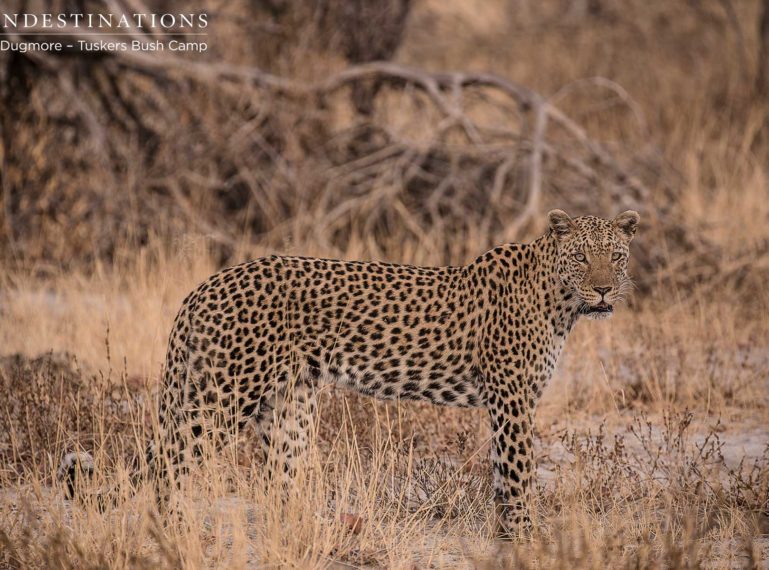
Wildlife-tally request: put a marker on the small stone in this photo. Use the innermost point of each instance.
(352, 521)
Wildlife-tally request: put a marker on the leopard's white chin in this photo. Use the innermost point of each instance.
(604, 316)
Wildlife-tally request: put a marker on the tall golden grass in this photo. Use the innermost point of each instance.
(641, 434)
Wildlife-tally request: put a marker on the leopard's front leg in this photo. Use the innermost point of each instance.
(512, 459)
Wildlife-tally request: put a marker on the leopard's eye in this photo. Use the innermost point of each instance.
(617, 255)
(580, 257)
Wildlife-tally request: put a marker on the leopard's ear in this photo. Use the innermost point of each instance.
(561, 225)
(627, 223)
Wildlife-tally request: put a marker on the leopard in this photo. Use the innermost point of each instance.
(255, 343)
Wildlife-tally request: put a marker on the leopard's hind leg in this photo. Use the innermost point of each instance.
(285, 427)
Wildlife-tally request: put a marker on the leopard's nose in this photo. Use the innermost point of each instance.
(602, 290)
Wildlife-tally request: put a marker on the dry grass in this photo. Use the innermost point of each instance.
(628, 477)
(652, 437)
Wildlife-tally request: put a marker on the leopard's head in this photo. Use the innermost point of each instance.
(592, 259)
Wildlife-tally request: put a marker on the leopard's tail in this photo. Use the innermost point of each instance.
(76, 472)
(76, 469)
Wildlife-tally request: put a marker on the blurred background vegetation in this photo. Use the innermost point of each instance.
(472, 120)
(412, 131)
